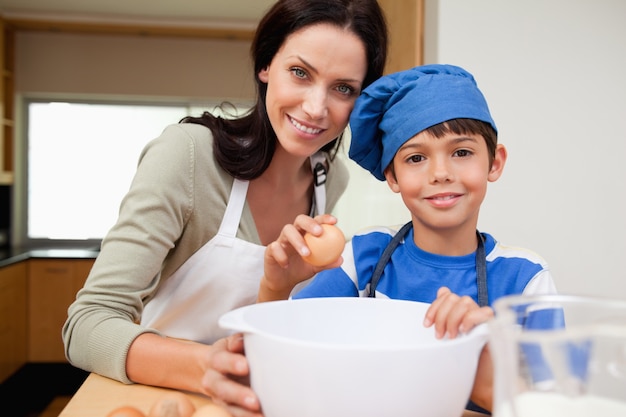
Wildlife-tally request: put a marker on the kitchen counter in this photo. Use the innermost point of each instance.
(10, 256)
(99, 395)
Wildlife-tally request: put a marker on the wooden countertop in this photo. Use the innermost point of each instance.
(99, 395)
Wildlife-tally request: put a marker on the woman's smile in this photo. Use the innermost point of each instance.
(303, 128)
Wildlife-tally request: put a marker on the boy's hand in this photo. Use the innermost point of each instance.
(452, 314)
(284, 266)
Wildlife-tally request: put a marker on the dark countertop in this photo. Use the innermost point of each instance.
(10, 256)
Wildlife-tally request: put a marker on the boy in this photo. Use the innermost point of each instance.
(428, 132)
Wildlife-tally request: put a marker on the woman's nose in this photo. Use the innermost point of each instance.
(315, 103)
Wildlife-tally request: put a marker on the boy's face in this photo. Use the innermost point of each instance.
(443, 181)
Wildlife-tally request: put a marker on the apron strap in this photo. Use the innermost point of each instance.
(382, 262)
(481, 264)
(319, 180)
(481, 271)
(234, 208)
(239, 190)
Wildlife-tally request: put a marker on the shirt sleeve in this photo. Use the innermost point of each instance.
(102, 322)
(329, 283)
(542, 283)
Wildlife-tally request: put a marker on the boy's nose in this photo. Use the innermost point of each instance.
(440, 170)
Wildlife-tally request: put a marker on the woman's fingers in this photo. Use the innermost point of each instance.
(226, 380)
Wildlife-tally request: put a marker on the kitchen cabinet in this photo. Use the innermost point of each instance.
(13, 324)
(405, 19)
(52, 287)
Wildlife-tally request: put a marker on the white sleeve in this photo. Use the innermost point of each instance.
(542, 283)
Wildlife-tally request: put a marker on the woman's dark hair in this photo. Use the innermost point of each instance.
(244, 146)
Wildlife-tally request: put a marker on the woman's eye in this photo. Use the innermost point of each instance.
(298, 72)
(346, 89)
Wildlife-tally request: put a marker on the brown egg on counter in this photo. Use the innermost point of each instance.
(172, 404)
(126, 411)
(211, 410)
(327, 247)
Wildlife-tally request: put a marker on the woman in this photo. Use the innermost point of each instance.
(210, 192)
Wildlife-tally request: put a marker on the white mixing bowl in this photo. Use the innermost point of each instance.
(354, 357)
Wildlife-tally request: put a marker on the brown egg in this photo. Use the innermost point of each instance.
(126, 411)
(172, 404)
(211, 410)
(325, 248)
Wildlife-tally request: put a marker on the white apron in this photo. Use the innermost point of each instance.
(224, 274)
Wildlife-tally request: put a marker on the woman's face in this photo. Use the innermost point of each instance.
(312, 83)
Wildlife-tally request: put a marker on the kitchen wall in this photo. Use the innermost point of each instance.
(553, 74)
(132, 66)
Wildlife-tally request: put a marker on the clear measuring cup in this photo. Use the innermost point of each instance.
(559, 356)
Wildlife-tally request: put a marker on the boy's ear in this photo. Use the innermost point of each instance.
(498, 163)
(390, 176)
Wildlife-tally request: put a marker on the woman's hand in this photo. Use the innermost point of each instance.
(284, 266)
(452, 314)
(219, 371)
(227, 379)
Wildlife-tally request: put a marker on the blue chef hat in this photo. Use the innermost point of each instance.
(398, 106)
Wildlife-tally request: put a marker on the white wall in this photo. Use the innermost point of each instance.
(553, 72)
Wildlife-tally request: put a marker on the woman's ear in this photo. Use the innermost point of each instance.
(498, 163)
(263, 74)
(390, 176)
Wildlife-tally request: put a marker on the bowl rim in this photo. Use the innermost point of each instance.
(479, 332)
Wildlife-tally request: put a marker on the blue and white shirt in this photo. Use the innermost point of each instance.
(413, 274)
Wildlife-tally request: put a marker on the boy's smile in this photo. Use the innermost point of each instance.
(443, 200)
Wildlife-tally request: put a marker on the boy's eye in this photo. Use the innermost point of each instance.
(463, 152)
(415, 158)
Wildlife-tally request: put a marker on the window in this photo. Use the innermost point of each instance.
(79, 160)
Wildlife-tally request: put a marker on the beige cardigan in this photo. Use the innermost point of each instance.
(174, 206)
